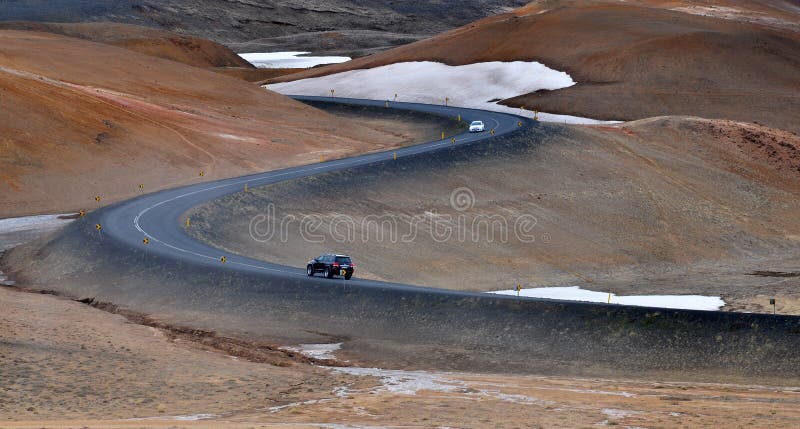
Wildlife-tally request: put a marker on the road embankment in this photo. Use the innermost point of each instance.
(415, 327)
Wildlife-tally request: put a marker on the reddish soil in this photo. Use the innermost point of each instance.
(149, 41)
(66, 364)
(637, 59)
(85, 119)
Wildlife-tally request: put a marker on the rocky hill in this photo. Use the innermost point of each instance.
(352, 27)
(83, 119)
(637, 59)
(149, 41)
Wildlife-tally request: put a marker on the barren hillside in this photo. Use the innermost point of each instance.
(158, 43)
(665, 205)
(83, 119)
(735, 60)
(335, 27)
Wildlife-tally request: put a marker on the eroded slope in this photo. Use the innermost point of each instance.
(666, 205)
(635, 60)
(82, 119)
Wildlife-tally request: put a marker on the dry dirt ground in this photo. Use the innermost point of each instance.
(184, 49)
(636, 59)
(83, 119)
(661, 206)
(67, 365)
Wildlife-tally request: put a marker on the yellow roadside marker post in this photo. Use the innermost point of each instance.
(609, 297)
(98, 227)
(146, 241)
(387, 103)
(332, 91)
(223, 259)
(492, 131)
(97, 200)
(519, 124)
(202, 173)
(245, 187)
(188, 222)
(395, 156)
(321, 158)
(446, 100)
(141, 187)
(519, 288)
(453, 141)
(442, 135)
(459, 118)
(82, 213)
(535, 115)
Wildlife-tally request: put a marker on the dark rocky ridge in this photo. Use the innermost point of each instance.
(353, 27)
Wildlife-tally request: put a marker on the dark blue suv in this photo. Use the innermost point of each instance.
(331, 265)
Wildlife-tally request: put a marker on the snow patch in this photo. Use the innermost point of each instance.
(618, 414)
(194, 417)
(28, 223)
(316, 351)
(19, 230)
(410, 382)
(186, 418)
(298, 404)
(405, 382)
(234, 137)
(476, 86)
(289, 60)
(575, 293)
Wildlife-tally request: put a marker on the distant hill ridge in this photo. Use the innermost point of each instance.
(330, 26)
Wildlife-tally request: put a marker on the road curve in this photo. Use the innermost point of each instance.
(157, 216)
(182, 281)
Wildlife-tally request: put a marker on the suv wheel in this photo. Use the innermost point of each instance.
(328, 273)
(310, 271)
(348, 275)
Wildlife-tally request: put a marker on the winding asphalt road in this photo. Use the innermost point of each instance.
(183, 282)
(158, 216)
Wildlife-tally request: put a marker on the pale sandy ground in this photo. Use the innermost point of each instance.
(65, 365)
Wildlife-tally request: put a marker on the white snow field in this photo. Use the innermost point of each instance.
(575, 293)
(318, 351)
(288, 60)
(478, 85)
(19, 230)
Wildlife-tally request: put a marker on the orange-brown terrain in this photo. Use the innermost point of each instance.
(65, 364)
(189, 50)
(185, 49)
(84, 119)
(669, 205)
(725, 59)
(660, 205)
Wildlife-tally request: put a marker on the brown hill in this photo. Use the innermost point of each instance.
(81, 119)
(634, 60)
(669, 205)
(149, 41)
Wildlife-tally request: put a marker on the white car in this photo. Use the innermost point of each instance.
(476, 127)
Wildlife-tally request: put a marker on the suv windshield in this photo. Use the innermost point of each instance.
(343, 259)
